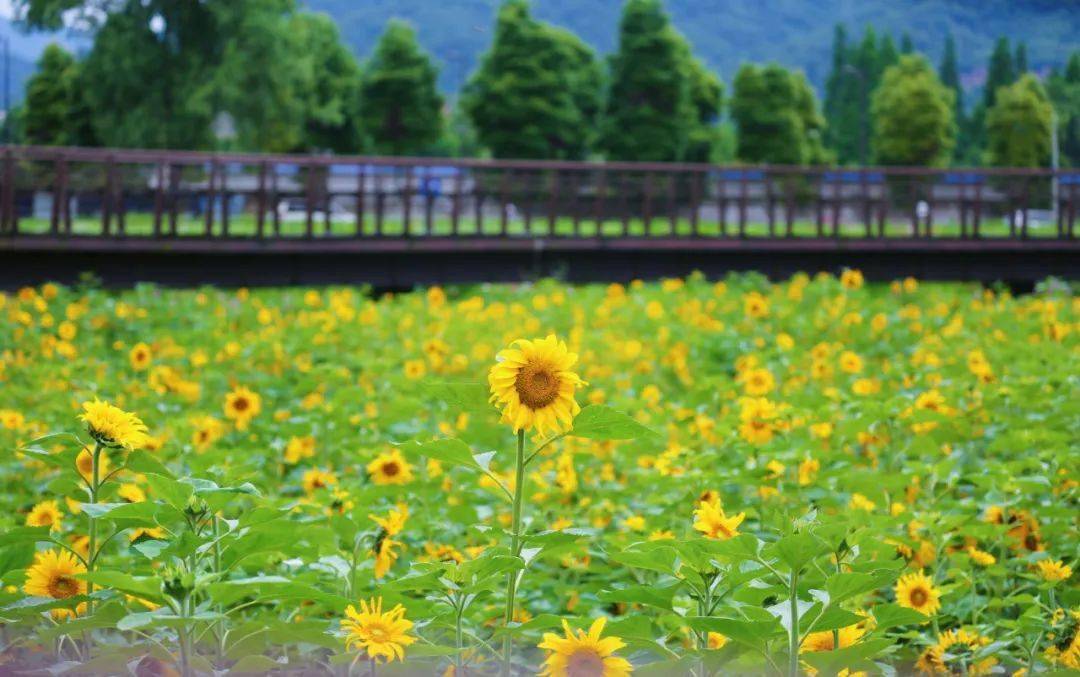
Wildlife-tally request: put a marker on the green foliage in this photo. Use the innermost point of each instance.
(1064, 91)
(1018, 127)
(777, 116)
(707, 99)
(400, 106)
(55, 112)
(1000, 72)
(329, 86)
(913, 116)
(533, 94)
(649, 114)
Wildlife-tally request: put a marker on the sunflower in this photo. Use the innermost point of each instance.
(316, 479)
(584, 653)
(298, 449)
(84, 463)
(954, 653)
(823, 641)
(385, 555)
(1049, 570)
(242, 405)
(131, 493)
(140, 357)
(916, 591)
(113, 427)
(390, 468)
(381, 635)
(45, 514)
(716, 640)
(532, 384)
(53, 574)
(711, 521)
(394, 522)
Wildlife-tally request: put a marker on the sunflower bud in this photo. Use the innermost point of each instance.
(177, 582)
(196, 507)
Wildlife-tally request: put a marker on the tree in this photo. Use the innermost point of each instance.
(843, 92)
(529, 97)
(913, 116)
(53, 108)
(649, 114)
(999, 72)
(949, 73)
(1064, 91)
(1020, 60)
(706, 99)
(329, 86)
(776, 116)
(906, 45)
(1018, 127)
(401, 108)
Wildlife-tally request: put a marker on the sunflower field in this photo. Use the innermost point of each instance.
(819, 476)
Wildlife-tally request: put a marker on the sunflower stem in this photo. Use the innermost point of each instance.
(515, 548)
(91, 552)
(793, 631)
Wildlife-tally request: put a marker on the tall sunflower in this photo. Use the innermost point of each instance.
(916, 591)
(390, 468)
(113, 427)
(584, 653)
(711, 521)
(242, 405)
(381, 635)
(53, 574)
(45, 514)
(532, 383)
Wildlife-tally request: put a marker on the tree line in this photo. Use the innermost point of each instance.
(264, 75)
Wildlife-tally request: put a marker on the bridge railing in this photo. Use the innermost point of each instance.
(83, 192)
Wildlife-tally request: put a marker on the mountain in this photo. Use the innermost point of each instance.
(724, 33)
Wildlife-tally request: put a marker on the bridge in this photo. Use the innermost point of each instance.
(188, 218)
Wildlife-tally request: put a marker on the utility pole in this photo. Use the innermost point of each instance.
(1054, 160)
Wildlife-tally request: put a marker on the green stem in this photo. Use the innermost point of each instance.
(460, 660)
(91, 552)
(185, 639)
(793, 631)
(515, 548)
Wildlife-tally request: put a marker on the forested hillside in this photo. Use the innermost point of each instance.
(723, 33)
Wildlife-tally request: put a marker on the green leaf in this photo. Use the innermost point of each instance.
(844, 586)
(797, 550)
(854, 657)
(892, 615)
(657, 559)
(169, 490)
(650, 595)
(144, 462)
(143, 511)
(753, 633)
(147, 587)
(24, 535)
(600, 422)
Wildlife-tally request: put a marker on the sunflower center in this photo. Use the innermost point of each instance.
(379, 634)
(584, 663)
(537, 385)
(391, 468)
(240, 404)
(62, 587)
(918, 597)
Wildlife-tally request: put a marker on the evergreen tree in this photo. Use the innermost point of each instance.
(401, 108)
(649, 114)
(1064, 91)
(49, 98)
(329, 87)
(1018, 127)
(949, 72)
(528, 98)
(999, 72)
(887, 55)
(913, 116)
(706, 97)
(1020, 60)
(776, 116)
(906, 45)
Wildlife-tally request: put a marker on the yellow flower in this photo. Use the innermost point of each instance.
(113, 427)
(916, 591)
(131, 493)
(532, 383)
(717, 641)
(242, 405)
(316, 479)
(757, 382)
(394, 522)
(711, 521)
(53, 574)
(299, 448)
(755, 305)
(84, 463)
(860, 502)
(415, 369)
(850, 362)
(380, 635)
(1053, 571)
(823, 641)
(45, 514)
(954, 654)
(980, 557)
(851, 278)
(390, 468)
(147, 533)
(140, 357)
(583, 653)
